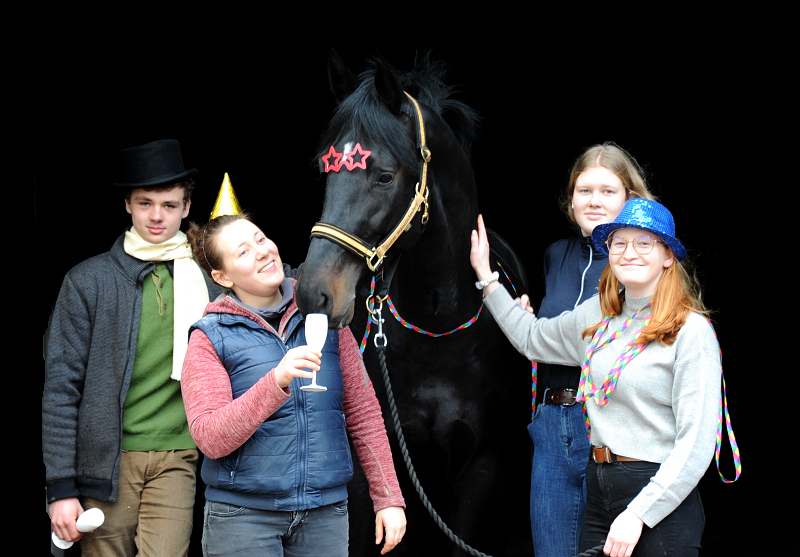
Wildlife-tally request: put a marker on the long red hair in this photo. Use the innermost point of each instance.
(677, 294)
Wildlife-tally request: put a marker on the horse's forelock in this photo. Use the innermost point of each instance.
(363, 117)
(427, 82)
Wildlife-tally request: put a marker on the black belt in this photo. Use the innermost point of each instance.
(565, 397)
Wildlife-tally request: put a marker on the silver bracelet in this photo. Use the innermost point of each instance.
(481, 283)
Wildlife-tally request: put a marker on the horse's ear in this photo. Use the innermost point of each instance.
(389, 89)
(342, 81)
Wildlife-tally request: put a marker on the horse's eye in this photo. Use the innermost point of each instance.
(386, 179)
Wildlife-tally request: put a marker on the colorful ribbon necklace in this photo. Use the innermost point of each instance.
(586, 388)
(631, 351)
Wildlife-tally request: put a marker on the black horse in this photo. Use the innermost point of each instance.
(463, 399)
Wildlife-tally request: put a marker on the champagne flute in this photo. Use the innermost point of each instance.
(316, 333)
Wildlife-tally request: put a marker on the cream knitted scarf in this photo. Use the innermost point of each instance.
(191, 293)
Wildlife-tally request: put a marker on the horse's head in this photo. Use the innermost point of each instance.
(376, 195)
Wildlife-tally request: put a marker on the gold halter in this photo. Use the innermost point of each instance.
(374, 255)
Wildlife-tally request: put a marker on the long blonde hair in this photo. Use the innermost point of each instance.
(616, 160)
(677, 294)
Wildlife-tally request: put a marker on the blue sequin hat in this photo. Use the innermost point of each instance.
(647, 215)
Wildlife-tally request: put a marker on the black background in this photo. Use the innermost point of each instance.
(700, 122)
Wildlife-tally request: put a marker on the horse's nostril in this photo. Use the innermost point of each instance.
(325, 303)
(312, 299)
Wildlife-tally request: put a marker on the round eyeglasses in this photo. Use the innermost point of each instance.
(643, 244)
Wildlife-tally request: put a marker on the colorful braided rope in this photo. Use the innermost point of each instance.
(534, 377)
(371, 308)
(408, 325)
(723, 412)
(601, 395)
(534, 366)
(586, 388)
(610, 383)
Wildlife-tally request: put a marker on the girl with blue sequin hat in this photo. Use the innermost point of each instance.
(647, 215)
(649, 382)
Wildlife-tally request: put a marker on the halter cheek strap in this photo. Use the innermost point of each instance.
(374, 256)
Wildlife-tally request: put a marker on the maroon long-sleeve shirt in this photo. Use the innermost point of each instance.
(220, 425)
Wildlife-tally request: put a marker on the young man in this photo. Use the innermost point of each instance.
(114, 431)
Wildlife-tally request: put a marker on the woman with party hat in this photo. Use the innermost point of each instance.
(277, 455)
(650, 379)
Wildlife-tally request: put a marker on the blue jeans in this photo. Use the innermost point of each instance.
(611, 487)
(558, 489)
(231, 530)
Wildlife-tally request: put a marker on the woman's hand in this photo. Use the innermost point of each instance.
(292, 365)
(393, 520)
(623, 535)
(479, 255)
(479, 251)
(525, 302)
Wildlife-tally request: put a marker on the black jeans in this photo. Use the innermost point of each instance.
(610, 487)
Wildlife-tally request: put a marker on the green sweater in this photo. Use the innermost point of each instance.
(154, 418)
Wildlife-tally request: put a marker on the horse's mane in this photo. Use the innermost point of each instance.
(364, 116)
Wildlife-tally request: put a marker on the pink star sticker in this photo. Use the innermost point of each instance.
(337, 160)
(362, 163)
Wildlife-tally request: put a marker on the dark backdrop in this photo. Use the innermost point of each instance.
(258, 114)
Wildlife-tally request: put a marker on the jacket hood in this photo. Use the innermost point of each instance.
(226, 304)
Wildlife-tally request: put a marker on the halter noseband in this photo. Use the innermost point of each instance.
(374, 255)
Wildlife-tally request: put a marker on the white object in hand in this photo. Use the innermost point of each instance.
(88, 520)
(316, 333)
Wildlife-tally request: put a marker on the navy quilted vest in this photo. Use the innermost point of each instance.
(300, 457)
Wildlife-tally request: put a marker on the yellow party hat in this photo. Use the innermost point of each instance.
(226, 203)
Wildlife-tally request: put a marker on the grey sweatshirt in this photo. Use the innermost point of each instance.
(664, 408)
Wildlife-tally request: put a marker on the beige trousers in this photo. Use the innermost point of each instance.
(152, 516)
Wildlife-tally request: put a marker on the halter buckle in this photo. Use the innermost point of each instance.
(425, 215)
(371, 263)
(425, 153)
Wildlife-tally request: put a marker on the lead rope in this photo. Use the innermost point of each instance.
(381, 346)
(403, 322)
(370, 310)
(534, 365)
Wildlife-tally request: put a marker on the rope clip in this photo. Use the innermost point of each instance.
(376, 317)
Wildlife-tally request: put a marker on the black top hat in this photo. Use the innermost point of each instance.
(157, 163)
